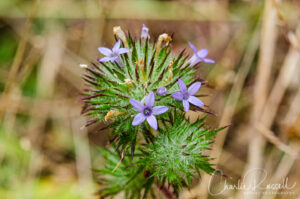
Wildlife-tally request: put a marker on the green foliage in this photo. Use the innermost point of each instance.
(14, 158)
(178, 151)
(175, 156)
(7, 48)
(125, 176)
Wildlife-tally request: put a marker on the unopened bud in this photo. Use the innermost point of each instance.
(140, 65)
(121, 35)
(162, 91)
(163, 37)
(170, 76)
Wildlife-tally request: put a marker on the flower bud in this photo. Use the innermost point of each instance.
(163, 37)
(145, 34)
(121, 35)
(162, 91)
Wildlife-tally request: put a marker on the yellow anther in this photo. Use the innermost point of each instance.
(112, 113)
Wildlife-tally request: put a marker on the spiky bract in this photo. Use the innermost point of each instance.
(178, 152)
(175, 156)
(125, 177)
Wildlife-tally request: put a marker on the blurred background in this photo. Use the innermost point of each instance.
(44, 152)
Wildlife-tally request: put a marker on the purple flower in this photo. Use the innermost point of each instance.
(186, 95)
(147, 111)
(162, 91)
(144, 33)
(199, 56)
(113, 54)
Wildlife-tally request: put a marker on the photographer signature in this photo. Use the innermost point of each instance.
(253, 185)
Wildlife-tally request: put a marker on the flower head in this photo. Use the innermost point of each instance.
(144, 33)
(162, 91)
(186, 95)
(147, 111)
(199, 56)
(113, 54)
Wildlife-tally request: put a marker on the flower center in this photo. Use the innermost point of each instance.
(147, 111)
(186, 96)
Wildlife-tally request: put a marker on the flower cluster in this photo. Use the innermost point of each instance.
(140, 88)
(185, 95)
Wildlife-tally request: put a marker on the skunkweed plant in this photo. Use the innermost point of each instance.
(143, 90)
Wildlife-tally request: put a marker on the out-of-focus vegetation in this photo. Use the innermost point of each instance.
(44, 152)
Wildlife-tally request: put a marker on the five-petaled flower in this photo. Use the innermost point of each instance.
(186, 95)
(199, 56)
(144, 33)
(113, 54)
(147, 111)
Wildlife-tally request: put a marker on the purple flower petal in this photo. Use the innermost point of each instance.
(193, 47)
(105, 59)
(157, 110)
(162, 91)
(138, 119)
(197, 102)
(112, 59)
(193, 89)
(137, 105)
(182, 85)
(152, 122)
(105, 51)
(116, 46)
(202, 53)
(186, 105)
(122, 50)
(178, 96)
(194, 60)
(209, 61)
(113, 55)
(150, 99)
